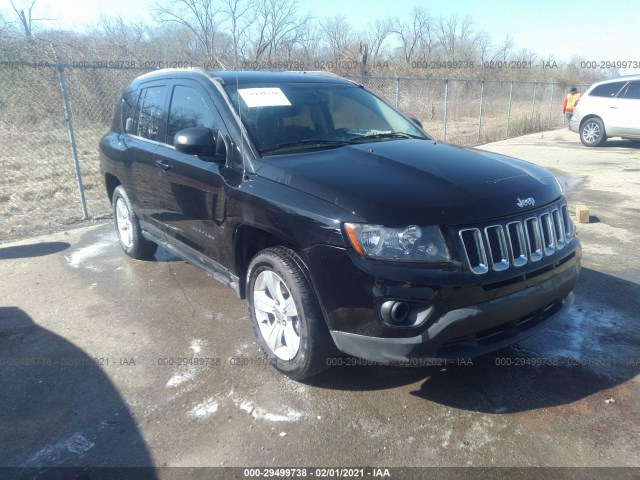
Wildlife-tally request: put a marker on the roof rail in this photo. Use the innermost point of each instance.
(323, 73)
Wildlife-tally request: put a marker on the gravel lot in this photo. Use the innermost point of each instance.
(91, 344)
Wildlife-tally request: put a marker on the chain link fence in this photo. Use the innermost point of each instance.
(53, 115)
(473, 112)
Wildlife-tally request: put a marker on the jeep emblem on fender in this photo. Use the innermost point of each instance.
(526, 202)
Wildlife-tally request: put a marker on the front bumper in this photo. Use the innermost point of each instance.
(466, 318)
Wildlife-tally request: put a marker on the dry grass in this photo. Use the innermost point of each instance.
(38, 187)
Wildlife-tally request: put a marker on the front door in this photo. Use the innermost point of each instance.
(188, 186)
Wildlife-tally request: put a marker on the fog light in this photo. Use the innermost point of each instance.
(395, 312)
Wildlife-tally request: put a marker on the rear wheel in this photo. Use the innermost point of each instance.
(285, 314)
(128, 227)
(592, 132)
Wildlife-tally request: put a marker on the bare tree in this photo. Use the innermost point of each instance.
(128, 40)
(308, 43)
(276, 23)
(199, 16)
(503, 52)
(454, 34)
(338, 37)
(239, 14)
(483, 44)
(416, 36)
(526, 55)
(5, 27)
(376, 34)
(25, 18)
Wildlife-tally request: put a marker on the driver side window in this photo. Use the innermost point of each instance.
(188, 109)
(632, 91)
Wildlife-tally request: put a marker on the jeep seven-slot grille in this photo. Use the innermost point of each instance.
(517, 242)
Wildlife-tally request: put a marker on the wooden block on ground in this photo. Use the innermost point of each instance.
(582, 214)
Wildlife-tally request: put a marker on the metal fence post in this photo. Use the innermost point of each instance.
(446, 98)
(509, 110)
(397, 92)
(480, 115)
(72, 140)
(551, 105)
(533, 103)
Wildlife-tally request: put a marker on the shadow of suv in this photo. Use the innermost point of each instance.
(342, 223)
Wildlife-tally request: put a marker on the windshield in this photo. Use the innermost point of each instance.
(290, 117)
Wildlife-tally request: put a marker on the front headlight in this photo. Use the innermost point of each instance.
(410, 244)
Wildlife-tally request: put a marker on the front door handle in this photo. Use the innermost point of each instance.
(164, 165)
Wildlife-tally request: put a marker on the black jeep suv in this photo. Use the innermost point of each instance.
(344, 225)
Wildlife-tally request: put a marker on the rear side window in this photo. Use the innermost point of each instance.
(128, 110)
(632, 91)
(188, 109)
(150, 107)
(607, 89)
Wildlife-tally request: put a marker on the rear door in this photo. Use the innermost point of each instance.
(627, 106)
(189, 187)
(604, 102)
(143, 119)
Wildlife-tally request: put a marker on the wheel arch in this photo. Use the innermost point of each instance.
(589, 117)
(248, 241)
(111, 182)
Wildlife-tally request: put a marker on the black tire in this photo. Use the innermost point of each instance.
(315, 346)
(128, 227)
(592, 133)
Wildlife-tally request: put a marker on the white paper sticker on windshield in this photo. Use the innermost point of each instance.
(264, 97)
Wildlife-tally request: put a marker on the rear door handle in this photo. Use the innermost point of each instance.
(164, 165)
(615, 107)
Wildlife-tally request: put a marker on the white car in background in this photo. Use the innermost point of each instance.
(608, 109)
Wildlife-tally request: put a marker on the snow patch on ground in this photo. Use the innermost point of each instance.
(55, 454)
(197, 345)
(204, 409)
(286, 415)
(582, 332)
(182, 377)
(188, 372)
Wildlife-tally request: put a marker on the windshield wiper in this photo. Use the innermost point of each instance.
(309, 141)
(385, 135)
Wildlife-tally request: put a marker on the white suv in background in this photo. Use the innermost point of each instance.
(608, 109)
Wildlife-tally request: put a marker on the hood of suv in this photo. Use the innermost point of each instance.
(421, 182)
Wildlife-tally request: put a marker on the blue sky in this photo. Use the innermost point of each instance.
(588, 28)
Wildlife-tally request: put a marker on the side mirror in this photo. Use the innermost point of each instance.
(417, 122)
(128, 125)
(196, 141)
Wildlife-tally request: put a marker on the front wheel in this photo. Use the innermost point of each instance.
(592, 133)
(285, 314)
(128, 227)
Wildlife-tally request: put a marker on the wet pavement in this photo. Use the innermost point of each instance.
(96, 369)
